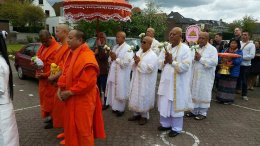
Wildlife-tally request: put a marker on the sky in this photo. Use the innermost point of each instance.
(227, 10)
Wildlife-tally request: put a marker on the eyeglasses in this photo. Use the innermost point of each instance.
(143, 42)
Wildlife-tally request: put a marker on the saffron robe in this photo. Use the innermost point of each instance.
(83, 120)
(46, 90)
(58, 107)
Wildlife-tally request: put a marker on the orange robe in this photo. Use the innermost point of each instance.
(58, 107)
(46, 90)
(83, 119)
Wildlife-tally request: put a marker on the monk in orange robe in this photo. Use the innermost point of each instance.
(78, 89)
(62, 31)
(46, 53)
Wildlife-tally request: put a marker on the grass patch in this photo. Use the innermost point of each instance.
(13, 48)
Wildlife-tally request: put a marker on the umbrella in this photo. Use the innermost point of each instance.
(90, 10)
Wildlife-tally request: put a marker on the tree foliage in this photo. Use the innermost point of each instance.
(22, 13)
(246, 23)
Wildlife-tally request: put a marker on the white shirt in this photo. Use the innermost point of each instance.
(248, 53)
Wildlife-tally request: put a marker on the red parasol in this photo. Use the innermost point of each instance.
(104, 10)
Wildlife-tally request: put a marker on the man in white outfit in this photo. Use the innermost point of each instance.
(143, 82)
(174, 88)
(118, 80)
(203, 75)
(155, 44)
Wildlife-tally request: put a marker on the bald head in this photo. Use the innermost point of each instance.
(120, 37)
(146, 43)
(62, 31)
(203, 38)
(175, 36)
(150, 32)
(44, 33)
(45, 37)
(76, 38)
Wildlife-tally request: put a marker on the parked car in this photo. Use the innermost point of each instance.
(23, 64)
(111, 41)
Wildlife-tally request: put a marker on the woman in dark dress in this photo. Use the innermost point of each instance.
(227, 83)
(255, 67)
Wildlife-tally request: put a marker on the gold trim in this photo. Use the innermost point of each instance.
(175, 78)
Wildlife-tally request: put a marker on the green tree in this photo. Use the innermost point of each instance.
(246, 23)
(151, 16)
(21, 13)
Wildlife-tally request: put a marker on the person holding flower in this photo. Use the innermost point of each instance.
(118, 79)
(226, 90)
(174, 94)
(101, 53)
(204, 66)
(143, 82)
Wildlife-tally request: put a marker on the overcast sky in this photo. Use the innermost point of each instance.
(227, 10)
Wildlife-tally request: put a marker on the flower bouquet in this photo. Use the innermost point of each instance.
(163, 45)
(141, 35)
(38, 62)
(107, 49)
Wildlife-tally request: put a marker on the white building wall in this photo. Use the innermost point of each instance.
(45, 6)
(52, 22)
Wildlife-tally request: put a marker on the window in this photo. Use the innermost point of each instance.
(47, 13)
(29, 51)
(53, 30)
(47, 27)
(40, 2)
(61, 11)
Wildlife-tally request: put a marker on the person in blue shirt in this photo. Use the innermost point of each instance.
(227, 83)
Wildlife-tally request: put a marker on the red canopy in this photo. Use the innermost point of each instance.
(103, 10)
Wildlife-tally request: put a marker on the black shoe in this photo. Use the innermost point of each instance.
(142, 121)
(119, 114)
(161, 128)
(200, 117)
(104, 107)
(48, 126)
(47, 120)
(173, 133)
(115, 111)
(190, 114)
(134, 118)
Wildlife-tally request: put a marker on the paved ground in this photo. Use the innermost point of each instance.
(234, 125)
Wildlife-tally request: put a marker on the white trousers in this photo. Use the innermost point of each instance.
(8, 128)
(144, 115)
(175, 122)
(201, 111)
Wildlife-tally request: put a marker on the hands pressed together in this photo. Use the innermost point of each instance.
(168, 58)
(64, 95)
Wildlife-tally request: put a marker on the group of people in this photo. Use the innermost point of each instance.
(70, 98)
(186, 81)
(244, 69)
(188, 75)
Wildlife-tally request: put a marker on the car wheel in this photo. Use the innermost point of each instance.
(20, 73)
